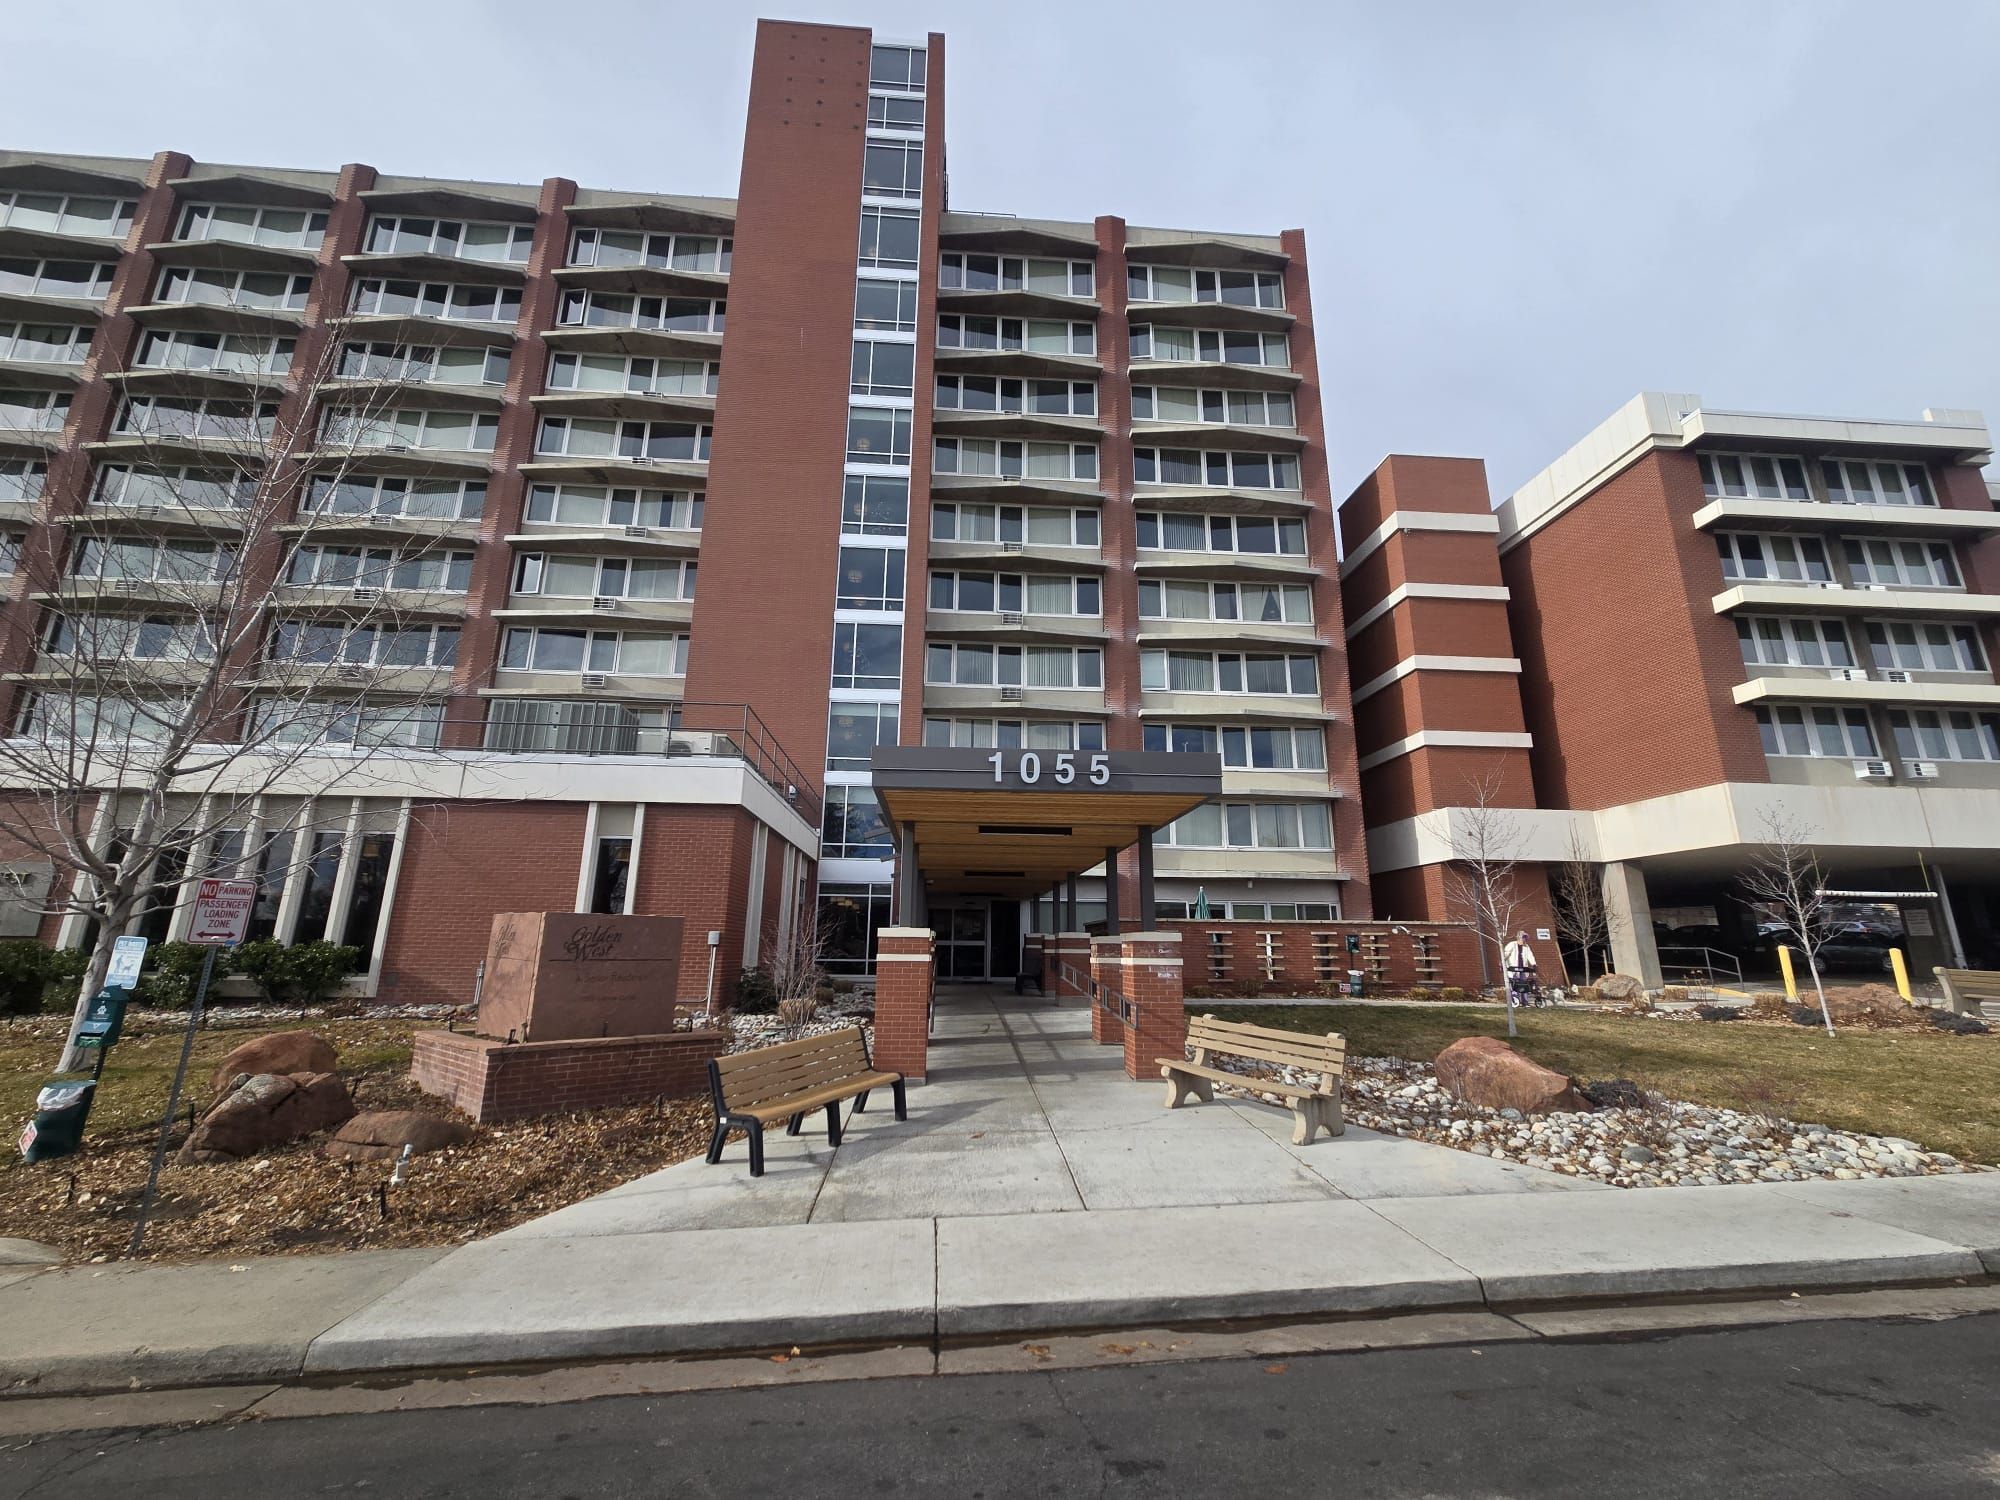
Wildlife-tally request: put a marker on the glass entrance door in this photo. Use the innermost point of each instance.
(961, 940)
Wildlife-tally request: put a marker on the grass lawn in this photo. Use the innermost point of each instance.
(1942, 1092)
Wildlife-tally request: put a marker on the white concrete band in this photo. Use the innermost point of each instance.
(1427, 663)
(1403, 591)
(1446, 739)
(1419, 520)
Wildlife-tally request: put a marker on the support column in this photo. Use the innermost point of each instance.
(1630, 914)
(1070, 922)
(1142, 970)
(905, 971)
(1146, 914)
(1111, 894)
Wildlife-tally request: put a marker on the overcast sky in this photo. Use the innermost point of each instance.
(1518, 214)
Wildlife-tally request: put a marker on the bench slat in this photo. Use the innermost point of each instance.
(1307, 1052)
(792, 1104)
(773, 1080)
(1238, 1080)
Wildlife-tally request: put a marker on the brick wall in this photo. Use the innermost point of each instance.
(1296, 970)
(493, 1080)
(695, 864)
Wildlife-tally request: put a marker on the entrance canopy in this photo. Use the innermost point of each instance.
(1013, 822)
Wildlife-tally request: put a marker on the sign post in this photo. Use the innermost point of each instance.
(221, 918)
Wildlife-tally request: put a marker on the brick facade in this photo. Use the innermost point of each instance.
(495, 1081)
(904, 979)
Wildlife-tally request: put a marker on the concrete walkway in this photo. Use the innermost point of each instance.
(1033, 1188)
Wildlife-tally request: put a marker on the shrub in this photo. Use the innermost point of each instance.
(795, 1013)
(312, 971)
(1804, 1015)
(756, 995)
(1717, 1012)
(174, 973)
(1769, 1006)
(1451, 992)
(262, 960)
(1674, 992)
(24, 973)
(1958, 1025)
(64, 976)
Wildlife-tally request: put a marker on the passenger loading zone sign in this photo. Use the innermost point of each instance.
(222, 911)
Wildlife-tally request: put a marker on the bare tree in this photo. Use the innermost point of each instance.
(797, 966)
(1584, 919)
(1481, 879)
(252, 603)
(1785, 877)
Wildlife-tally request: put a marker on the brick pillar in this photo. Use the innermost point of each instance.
(1106, 1028)
(1149, 965)
(1069, 950)
(904, 973)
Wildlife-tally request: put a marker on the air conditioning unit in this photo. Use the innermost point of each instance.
(1848, 674)
(639, 533)
(351, 673)
(596, 680)
(146, 512)
(604, 603)
(1897, 676)
(1874, 770)
(395, 447)
(128, 585)
(366, 593)
(1010, 695)
(641, 460)
(1013, 546)
(1012, 617)
(1922, 770)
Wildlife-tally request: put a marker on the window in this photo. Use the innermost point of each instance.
(893, 169)
(1890, 564)
(1944, 734)
(885, 306)
(1054, 594)
(952, 665)
(33, 411)
(601, 505)
(1007, 458)
(1212, 346)
(1039, 526)
(339, 567)
(883, 369)
(852, 826)
(1775, 641)
(850, 916)
(875, 505)
(1190, 466)
(460, 239)
(1015, 273)
(1854, 481)
(337, 643)
(1920, 646)
(853, 730)
(1251, 825)
(588, 727)
(453, 301)
(876, 435)
(46, 343)
(107, 639)
(660, 252)
(64, 716)
(157, 562)
(271, 290)
(245, 224)
(180, 487)
(1049, 398)
(22, 478)
(217, 418)
(1191, 599)
(1244, 747)
(895, 114)
(870, 578)
(1821, 731)
(588, 309)
(891, 239)
(558, 575)
(425, 364)
(1171, 531)
(1761, 475)
(11, 543)
(867, 656)
(58, 213)
(647, 442)
(629, 653)
(1787, 559)
(395, 495)
(896, 69)
(413, 726)
(359, 427)
(642, 376)
(1173, 403)
(1037, 335)
(1015, 734)
(231, 353)
(80, 280)
(1191, 284)
(1228, 672)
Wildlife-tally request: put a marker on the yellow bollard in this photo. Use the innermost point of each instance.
(1785, 967)
(1902, 976)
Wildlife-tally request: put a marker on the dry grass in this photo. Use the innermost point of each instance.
(292, 1199)
(1942, 1092)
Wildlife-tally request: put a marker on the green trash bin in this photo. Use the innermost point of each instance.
(60, 1111)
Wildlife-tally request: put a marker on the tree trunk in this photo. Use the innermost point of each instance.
(1825, 1012)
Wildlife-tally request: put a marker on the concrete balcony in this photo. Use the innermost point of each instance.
(1953, 690)
(1814, 515)
(1819, 598)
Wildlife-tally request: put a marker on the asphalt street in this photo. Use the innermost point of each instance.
(1826, 1409)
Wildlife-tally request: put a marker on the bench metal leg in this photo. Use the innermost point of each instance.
(861, 1101)
(902, 1108)
(1180, 1086)
(715, 1141)
(756, 1148)
(833, 1123)
(794, 1125)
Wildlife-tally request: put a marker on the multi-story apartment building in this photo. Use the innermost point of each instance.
(634, 522)
(1694, 629)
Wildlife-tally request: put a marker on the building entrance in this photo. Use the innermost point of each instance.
(961, 939)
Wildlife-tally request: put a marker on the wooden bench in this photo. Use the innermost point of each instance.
(1970, 992)
(786, 1082)
(1313, 1109)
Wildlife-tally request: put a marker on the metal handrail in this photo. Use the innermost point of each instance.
(1709, 969)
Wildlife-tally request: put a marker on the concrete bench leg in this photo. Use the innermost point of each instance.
(1314, 1113)
(1182, 1085)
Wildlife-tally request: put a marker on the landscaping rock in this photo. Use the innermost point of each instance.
(1619, 988)
(1944, 1020)
(1484, 1070)
(267, 1109)
(1614, 1093)
(281, 1052)
(381, 1134)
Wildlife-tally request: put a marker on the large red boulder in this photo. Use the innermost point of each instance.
(1484, 1070)
(268, 1109)
(282, 1052)
(382, 1134)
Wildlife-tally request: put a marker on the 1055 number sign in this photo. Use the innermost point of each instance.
(1062, 767)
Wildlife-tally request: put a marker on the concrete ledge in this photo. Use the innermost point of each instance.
(1124, 1266)
(1963, 1210)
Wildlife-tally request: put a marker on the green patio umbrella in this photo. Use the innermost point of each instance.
(1201, 904)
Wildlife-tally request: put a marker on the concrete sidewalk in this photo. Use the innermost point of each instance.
(1032, 1189)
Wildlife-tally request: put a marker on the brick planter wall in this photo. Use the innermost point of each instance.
(1294, 969)
(493, 1080)
(904, 973)
(1144, 968)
